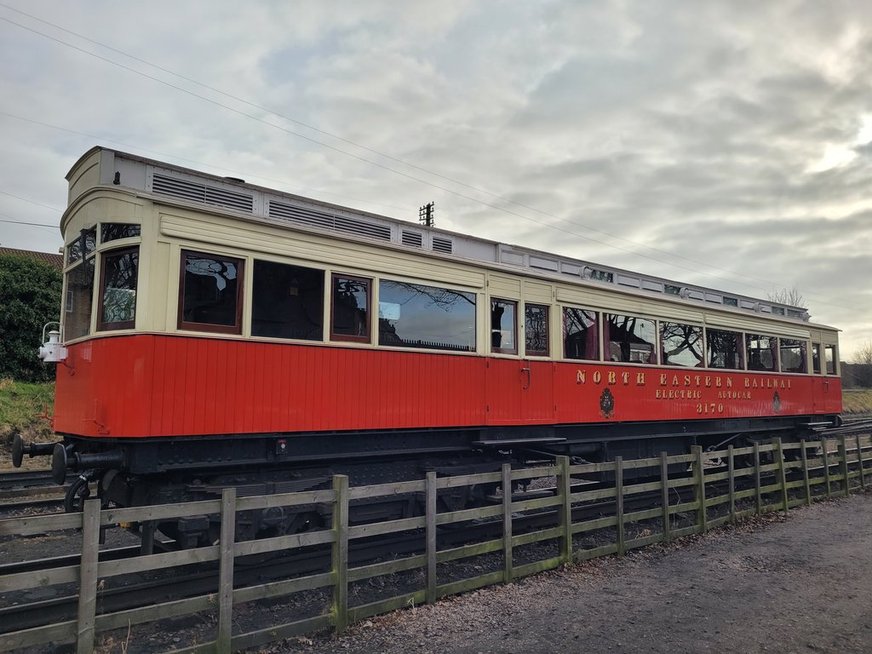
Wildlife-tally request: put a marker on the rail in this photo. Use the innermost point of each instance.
(778, 477)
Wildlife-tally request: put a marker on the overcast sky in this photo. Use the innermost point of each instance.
(727, 144)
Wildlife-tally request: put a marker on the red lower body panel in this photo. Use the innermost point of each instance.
(155, 385)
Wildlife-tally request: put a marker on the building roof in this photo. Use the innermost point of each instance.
(55, 260)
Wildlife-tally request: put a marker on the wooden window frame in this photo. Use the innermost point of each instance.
(205, 326)
(504, 350)
(547, 351)
(348, 337)
(102, 325)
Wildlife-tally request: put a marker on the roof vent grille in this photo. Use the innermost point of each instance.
(324, 220)
(444, 245)
(201, 193)
(413, 239)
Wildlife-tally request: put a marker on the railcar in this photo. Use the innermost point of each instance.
(220, 333)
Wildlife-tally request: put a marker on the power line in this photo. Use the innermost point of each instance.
(39, 204)
(21, 222)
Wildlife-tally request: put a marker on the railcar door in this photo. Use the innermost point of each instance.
(520, 392)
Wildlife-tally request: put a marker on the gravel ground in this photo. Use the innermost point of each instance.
(796, 584)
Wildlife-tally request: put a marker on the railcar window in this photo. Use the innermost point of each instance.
(429, 317)
(536, 330)
(118, 289)
(830, 357)
(762, 352)
(350, 321)
(793, 354)
(287, 301)
(816, 358)
(84, 245)
(580, 334)
(210, 293)
(80, 291)
(630, 339)
(724, 349)
(114, 231)
(504, 326)
(681, 344)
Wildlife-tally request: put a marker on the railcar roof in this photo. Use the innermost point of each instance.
(278, 207)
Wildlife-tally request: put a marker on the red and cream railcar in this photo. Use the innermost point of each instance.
(213, 327)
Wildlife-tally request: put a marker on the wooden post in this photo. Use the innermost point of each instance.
(826, 458)
(702, 517)
(782, 474)
(88, 576)
(564, 484)
(146, 533)
(619, 502)
(225, 575)
(758, 498)
(340, 553)
(430, 497)
(843, 455)
(860, 463)
(805, 475)
(731, 481)
(507, 522)
(664, 495)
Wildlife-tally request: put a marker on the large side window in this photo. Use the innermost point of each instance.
(681, 344)
(350, 309)
(580, 334)
(504, 326)
(830, 358)
(210, 294)
(630, 339)
(536, 330)
(793, 355)
(724, 349)
(762, 352)
(287, 301)
(415, 315)
(118, 279)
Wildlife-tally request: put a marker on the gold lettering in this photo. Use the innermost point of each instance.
(640, 379)
(597, 376)
(675, 380)
(708, 381)
(729, 382)
(718, 382)
(580, 377)
(663, 379)
(625, 378)
(696, 379)
(613, 378)
(687, 380)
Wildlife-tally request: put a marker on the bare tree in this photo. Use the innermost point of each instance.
(789, 296)
(863, 354)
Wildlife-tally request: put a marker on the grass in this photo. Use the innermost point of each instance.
(857, 400)
(25, 409)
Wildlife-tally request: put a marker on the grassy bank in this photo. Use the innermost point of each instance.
(857, 401)
(25, 409)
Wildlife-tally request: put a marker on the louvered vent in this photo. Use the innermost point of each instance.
(443, 245)
(326, 220)
(413, 239)
(195, 192)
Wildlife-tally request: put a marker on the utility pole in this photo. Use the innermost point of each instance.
(425, 214)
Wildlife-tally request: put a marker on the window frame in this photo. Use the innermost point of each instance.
(187, 325)
(547, 351)
(351, 338)
(597, 324)
(103, 325)
(606, 342)
(503, 350)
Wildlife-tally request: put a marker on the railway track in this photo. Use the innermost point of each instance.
(27, 490)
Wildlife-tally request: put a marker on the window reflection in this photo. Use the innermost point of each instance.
(580, 334)
(430, 317)
(724, 349)
(118, 295)
(630, 339)
(504, 326)
(792, 355)
(115, 231)
(210, 292)
(762, 351)
(536, 330)
(80, 291)
(681, 344)
(288, 301)
(350, 308)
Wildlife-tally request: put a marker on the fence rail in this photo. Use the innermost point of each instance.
(821, 469)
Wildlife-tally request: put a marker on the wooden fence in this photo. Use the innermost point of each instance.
(823, 469)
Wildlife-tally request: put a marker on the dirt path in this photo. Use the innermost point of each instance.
(801, 584)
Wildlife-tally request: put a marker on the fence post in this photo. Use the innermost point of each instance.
(225, 574)
(758, 497)
(430, 500)
(805, 475)
(700, 489)
(664, 495)
(782, 474)
(507, 522)
(843, 454)
(619, 502)
(88, 576)
(731, 481)
(340, 553)
(826, 460)
(565, 489)
(860, 463)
